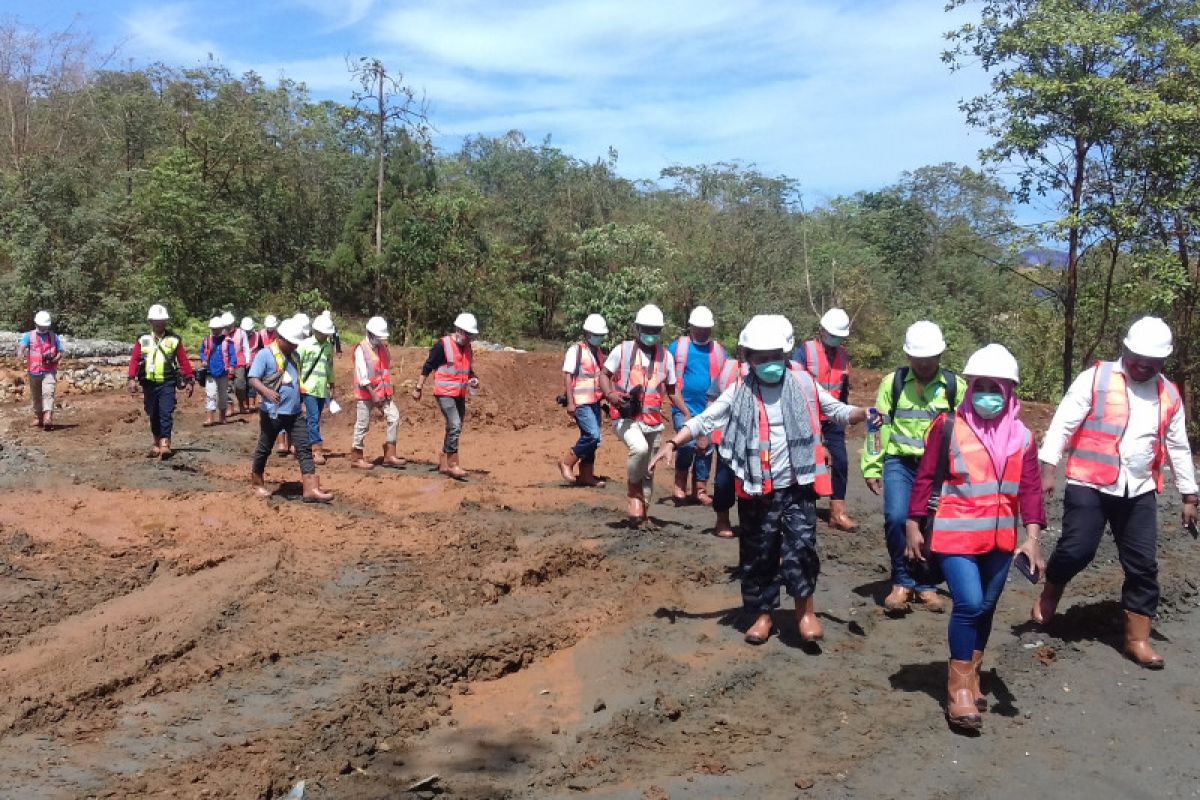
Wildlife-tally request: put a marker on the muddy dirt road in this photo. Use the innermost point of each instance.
(163, 634)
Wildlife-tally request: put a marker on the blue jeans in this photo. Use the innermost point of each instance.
(724, 494)
(975, 583)
(687, 459)
(898, 476)
(588, 419)
(159, 401)
(313, 406)
(834, 437)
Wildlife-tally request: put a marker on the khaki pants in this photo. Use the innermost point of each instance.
(362, 422)
(641, 443)
(41, 392)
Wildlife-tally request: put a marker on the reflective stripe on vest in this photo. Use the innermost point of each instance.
(158, 357)
(451, 378)
(631, 372)
(978, 511)
(585, 385)
(379, 371)
(716, 358)
(280, 367)
(1095, 454)
(731, 373)
(822, 480)
(909, 421)
(315, 379)
(227, 347)
(42, 349)
(829, 377)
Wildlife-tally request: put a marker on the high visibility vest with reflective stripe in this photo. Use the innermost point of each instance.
(978, 511)
(829, 377)
(909, 423)
(716, 358)
(228, 352)
(1095, 455)
(267, 338)
(281, 363)
(822, 481)
(42, 348)
(315, 366)
(451, 378)
(158, 357)
(379, 371)
(731, 373)
(585, 385)
(651, 380)
(241, 344)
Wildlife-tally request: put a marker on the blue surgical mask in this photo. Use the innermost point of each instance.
(770, 372)
(595, 341)
(834, 341)
(650, 339)
(987, 404)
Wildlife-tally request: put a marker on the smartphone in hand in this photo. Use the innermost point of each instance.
(1021, 562)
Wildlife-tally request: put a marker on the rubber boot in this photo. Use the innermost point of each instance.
(760, 631)
(807, 622)
(838, 520)
(443, 463)
(359, 461)
(977, 662)
(679, 492)
(453, 469)
(896, 604)
(390, 459)
(637, 504)
(960, 700)
(931, 601)
(259, 486)
(1137, 642)
(312, 490)
(566, 467)
(587, 476)
(724, 526)
(47, 421)
(1047, 603)
(37, 421)
(318, 455)
(164, 449)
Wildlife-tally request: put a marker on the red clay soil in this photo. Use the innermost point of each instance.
(165, 634)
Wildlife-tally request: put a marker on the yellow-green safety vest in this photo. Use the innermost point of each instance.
(316, 366)
(903, 433)
(158, 357)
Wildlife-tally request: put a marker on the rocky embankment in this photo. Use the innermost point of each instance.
(88, 365)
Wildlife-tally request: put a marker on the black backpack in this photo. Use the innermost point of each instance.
(901, 375)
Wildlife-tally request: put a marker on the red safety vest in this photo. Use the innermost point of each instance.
(451, 378)
(829, 377)
(1095, 455)
(978, 511)
(241, 345)
(731, 373)
(585, 383)
(716, 358)
(267, 338)
(822, 481)
(631, 373)
(254, 340)
(379, 371)
(42, 352)
(227, 346)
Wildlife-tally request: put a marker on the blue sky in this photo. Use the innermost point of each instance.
(839, 95)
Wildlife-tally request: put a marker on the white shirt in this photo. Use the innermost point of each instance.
(362, 375)
(1137, 445)
(717, 416)
(572, 359)
(613, 362)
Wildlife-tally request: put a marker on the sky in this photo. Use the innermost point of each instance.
(841, 95)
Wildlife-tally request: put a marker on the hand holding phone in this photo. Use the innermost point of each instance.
(1021, 562)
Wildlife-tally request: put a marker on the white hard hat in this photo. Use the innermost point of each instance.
(764, 332)
(702, 318)
(216, 322)
(836, 322)
(157, 313)
(786, 331)
(924, 340)
(228, 319)
(42, 319)
(247, 323)
(1150, 337)
(468, 323)
(377, 327)
(993, 361)
(271, 322)
(651, 316)
(292, 331)
(324, 324)
(595, 324)
(302, 318)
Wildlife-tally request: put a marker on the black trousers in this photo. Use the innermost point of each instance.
(1134, 523)
(296, 427)
(778, 546)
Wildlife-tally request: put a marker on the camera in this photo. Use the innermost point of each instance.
(561, 400)
(630, 406)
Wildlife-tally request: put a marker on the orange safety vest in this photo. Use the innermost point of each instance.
(822, 481)
(653, 381)
(1095, 455)
(267, 338)
(379, 372)
(585, 383)
(451, 378)
(716, 358)
(829, 377)
(978, 511)
(42, 350)
(731, 373)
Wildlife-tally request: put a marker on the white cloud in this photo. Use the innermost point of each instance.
(156, 33)
(340, 13)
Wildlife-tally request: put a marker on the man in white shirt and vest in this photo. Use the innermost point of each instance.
(1119, 422)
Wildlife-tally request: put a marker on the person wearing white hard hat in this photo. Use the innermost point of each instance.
(41, 349)
(218, 360)
(245, 339)
(977, 485)
(826, 360)
(1120, 422)
(771, 439)
(275, 375)
(270, 331)
(699, 360)
(908, 401)
(581, 396)
(305, 323)
(158, 365)
(317, 380)
(451, 361)
(638, 379)
(373, 391)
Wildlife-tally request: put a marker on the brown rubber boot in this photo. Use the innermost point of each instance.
(637, 504)
(566, 467)
(807, 622)
(724, 526)
(896, 604)
(164, 449)
(587, 476)
(312, 490)
(453, 469)
(1137, 642)
(1047, 603)
(931, 601)
(359, 461)
(318, 455)
(838, 520)
(960, 700)
(977, 662)
(443, 463)
(259, 486)
(760, 631)
(390, 459)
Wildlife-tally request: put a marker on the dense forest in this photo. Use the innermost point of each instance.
(206, 190)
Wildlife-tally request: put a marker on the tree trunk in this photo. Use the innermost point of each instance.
(1069, 299)
(382, 144)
